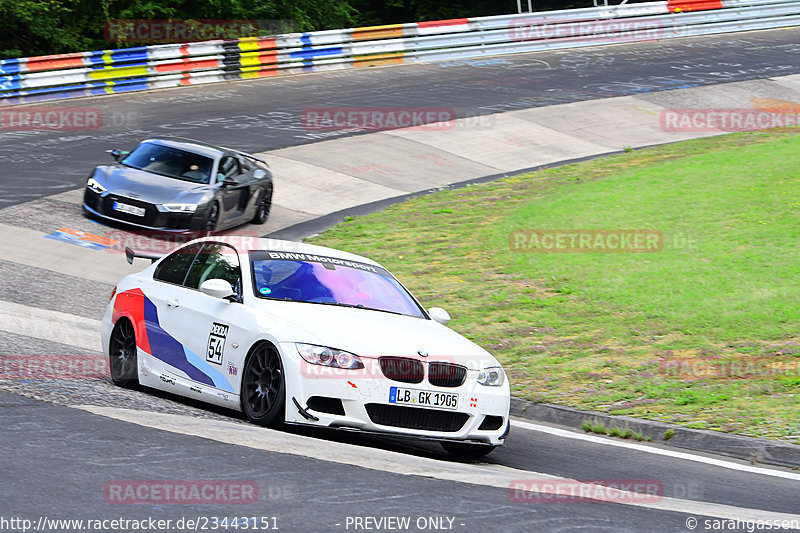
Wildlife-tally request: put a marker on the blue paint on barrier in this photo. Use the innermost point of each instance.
(95, 58)
(123, 55)
(10, 83)
(139, 53)
(104, 66)
(316, 52)
(53, 90)
(10, 68)
(82, 89)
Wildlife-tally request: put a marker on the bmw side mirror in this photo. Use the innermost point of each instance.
(229, 182)
(259, 173)
(439, 315)
(217, 288)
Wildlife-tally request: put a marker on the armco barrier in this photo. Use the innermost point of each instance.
(42, 78)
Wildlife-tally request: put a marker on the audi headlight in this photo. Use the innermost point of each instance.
(180, 208)
(491, 377)
(324, 356)
(94, 185)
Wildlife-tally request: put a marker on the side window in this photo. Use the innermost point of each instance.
(216, 261)
(174, 267)
(229, 167)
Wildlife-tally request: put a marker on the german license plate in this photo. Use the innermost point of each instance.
(423, 398)
(130, 209)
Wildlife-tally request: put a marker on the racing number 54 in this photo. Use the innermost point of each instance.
(216, 343)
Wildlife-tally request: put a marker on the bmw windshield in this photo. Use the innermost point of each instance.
(170, 162)
(301, 277)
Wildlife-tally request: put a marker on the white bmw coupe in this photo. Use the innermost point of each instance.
(293, 333)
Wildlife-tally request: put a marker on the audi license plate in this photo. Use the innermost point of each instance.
(130, 209)
(423, 398)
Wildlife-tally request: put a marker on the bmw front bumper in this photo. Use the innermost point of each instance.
(332, 398)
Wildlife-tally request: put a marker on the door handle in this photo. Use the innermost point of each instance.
(173, 302)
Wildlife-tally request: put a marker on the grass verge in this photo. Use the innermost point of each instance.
(702, 333)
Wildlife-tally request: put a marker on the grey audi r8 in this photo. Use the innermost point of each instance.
(177, 185)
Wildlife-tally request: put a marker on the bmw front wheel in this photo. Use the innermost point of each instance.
(263, 392)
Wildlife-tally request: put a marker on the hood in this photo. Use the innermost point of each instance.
(369, 333)
(147, 187)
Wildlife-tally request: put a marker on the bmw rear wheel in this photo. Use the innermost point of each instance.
(122, 354)
(264, 205)
(263, 393)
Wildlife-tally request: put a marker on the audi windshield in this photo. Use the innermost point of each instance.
(170, 162)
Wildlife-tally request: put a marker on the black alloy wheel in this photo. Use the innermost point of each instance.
(263, 387)
(122, 354)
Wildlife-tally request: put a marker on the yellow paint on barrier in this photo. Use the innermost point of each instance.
(252, 44)
(249, 60)
(118, 72)
(258, 72)
(248, 45)
(392, 58)
(252, 59)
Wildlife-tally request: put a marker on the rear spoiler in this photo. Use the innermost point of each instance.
(131, 254)
(249, 156)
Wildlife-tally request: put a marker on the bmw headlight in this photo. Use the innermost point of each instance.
(180, 208)
(94, 185)
(324, 356)
(491, 377)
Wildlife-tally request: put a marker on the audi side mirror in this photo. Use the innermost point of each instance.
(116, 153)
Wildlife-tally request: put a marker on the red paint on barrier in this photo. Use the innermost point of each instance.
(184, 64)
(693, 5)
(439, 23)
(55, 62)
